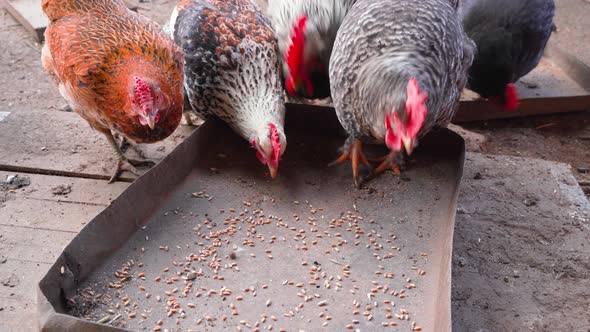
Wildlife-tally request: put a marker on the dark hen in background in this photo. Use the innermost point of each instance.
(510, 36)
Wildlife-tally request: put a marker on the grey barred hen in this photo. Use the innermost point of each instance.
(397, 70)
(510, 36)
(306, 30)
(232, 70)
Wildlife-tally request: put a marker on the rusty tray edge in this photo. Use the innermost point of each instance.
(69, 269)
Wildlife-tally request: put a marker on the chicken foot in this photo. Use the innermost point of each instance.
(124, 163)
(389, 161)
(186, 111)
(187, 118)
(353, 150)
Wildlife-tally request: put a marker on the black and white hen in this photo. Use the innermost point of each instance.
(232, 70)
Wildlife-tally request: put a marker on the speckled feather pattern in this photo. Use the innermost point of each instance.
(231, 63)
(323, 20)
(380, 45)
(94, 48)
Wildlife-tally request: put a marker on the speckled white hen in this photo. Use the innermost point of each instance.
(397, 70)
(232, 70)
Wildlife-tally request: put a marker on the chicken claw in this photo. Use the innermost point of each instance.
(187, 110)
(388, 161)
(189, 121)
(128, 165)
(353, 150)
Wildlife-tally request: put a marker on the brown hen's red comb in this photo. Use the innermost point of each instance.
(511, 97)
(275, 141)
(143, 92)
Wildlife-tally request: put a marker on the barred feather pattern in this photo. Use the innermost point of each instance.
(380, 46)
(231, 64)
(323, 20)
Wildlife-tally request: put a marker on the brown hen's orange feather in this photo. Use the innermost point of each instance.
(93, 51)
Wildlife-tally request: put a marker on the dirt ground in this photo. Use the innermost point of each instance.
(520, 250)
(521, 254)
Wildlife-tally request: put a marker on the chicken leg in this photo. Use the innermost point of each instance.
(124, 144)
(124, 163)
(352, 149)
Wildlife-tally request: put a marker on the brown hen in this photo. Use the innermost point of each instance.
(116, 70)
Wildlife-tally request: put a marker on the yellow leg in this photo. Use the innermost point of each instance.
(353, 150)
(388, 162)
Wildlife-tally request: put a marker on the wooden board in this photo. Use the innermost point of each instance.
(559, 84)
(61, 143)
(35, 225)
(30, 15)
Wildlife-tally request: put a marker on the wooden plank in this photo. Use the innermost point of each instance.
(27, 214)
(83, 191)
(546, 90)
(30, 15)
(18, 315)
(35, 226)
(479, 110)
(549, 89)
(33, 245)
(23, 275)
(37, 207)
(18, 303)
(62, 143)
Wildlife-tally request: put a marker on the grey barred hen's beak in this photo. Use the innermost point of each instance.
(408, 145)
(273, 171)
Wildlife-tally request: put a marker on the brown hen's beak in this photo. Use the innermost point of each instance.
(151, 121)
(408, 145)
(273, 171)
